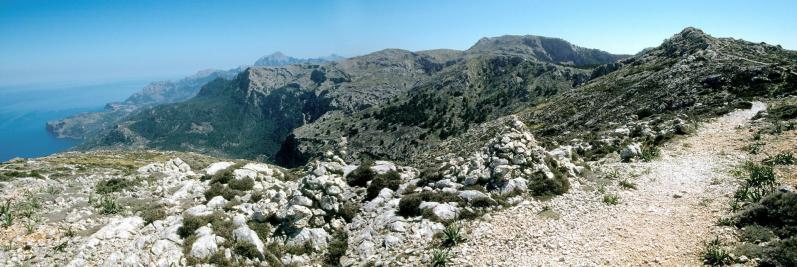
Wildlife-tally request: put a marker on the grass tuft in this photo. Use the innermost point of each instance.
(611, 199)
(453, 235)
(714, 254)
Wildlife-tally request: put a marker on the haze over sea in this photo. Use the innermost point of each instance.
(24, 111)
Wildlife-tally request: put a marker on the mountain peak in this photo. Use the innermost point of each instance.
(689, 40)
(548, 49)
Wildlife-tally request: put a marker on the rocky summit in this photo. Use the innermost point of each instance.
(519, 151)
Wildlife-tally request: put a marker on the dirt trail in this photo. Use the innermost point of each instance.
(665, 221)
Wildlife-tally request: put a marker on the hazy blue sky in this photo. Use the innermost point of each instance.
(53, 41)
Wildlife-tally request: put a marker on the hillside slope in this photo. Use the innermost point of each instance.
(247, 117)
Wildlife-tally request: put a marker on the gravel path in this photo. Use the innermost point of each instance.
(665, 221)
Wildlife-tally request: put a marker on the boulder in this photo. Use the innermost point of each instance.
(205, 244)
(214, 168)
(446, 212)
(217, 202)
(315, 238)
(246, 235)
(631, 151)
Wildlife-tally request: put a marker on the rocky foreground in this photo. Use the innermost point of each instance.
(492, 207)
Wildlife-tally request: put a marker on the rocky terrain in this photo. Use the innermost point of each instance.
(353, 96)
(89, 124)
(519, 151)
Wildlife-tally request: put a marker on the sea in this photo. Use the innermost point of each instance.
(25, 110)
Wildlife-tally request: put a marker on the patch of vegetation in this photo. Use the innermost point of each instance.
(750, 250)
(611, 199)
(273, 255)
(409, 204)
(7, 220)
(483, 202)
(390, 180)
(440, 258)
(725, 221)
(627, 184)
(713, 253)
(783, 111)
(245, 183)
(247, 250)
(263, 229)
(760, 182)
(756, 234)
(754, 147)
(540, 185)
(153, 213)
(349, 210)
(256, 197)
(113, 185)
(337, 248)
(649, 153)
(109, 205)
(784, 158)
(774, 215)
(10, 175)
(429, 176)
(190, 224)
(453, 235)
(218, 189)
(361, 175)
(781, 253)
(218, 259)
(777, 211)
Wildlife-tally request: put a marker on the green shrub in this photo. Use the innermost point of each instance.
(784, 111)
(108, 205)
(428, 176)
(749, 250)
(245, 183)
(273, 254)
(627, 184)
(440, 258)
(756, 234)
(349, 210)
(190, 224)
(781, 253)
(263, 229)
(540, 185)
(247, 250)
(777, 211)
(714, 254)
(475, 187)
(391, 180)
(153, 213)
(361, 176)
(337, 248)
(409, 204)
(483, 202)
(650, 153)
(221, 227)
(256, 197)
(453, 235)
(785, 158)
(611, 199)
(760, 182)
(223, 176)
(221, 190)
(7, 220)
(219, 260)
(113, 185)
